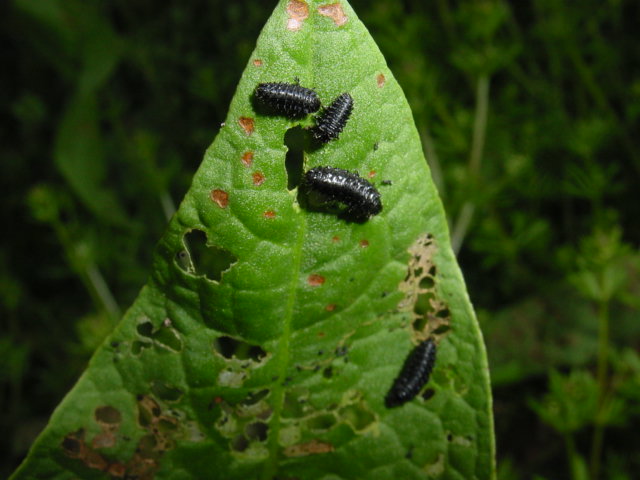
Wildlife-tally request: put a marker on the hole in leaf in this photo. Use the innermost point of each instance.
(108, 415)
(423, 304)
(444, 313)
(137, 347)
(442, 329)
(357, 416)
(255, 397)
(294, 141)
(327, 372)
(427, 282)
(256, 431)
(240, 443)
(321, 422)
(147, 447)
(73, 443)
(165, 392)
(210, 261)
(230, 347)
(428, 393)
(168, 338)
(145, 329)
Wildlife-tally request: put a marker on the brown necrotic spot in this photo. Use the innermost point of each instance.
(364, 243)
(372, 173)
(257, 62)
(335, 239)
(220, 197)
(334, 12)
(315, 280)
(247, 124)
(381, 80)
(331, 307)
(298, 12)
(269, 214)
(247, 158)
(240, 443)
(258, 178)
(313, 447)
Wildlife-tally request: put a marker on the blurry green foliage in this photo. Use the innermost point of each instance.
(545, 92)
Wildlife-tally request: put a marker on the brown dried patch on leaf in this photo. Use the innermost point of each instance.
(430, 314)
(269, 214)
(220, 197)
(298, 12)
(313, 447)
(372, 173)
(381, 80)
(364, 243)
(334, 12)
(258, 178)
(247, 158)
(315, 280)
(247, 124)
(257, 62)
(331, 307)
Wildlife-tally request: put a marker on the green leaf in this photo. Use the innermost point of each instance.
(270, 331)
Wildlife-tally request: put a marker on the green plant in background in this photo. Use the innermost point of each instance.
(267, 350)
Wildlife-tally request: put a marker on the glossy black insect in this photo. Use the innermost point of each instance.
(333, 119)
(288, 99)
(359, 195)
(414, 374)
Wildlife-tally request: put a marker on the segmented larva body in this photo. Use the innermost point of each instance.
(358, 194)
(290, 100)
(414, 374)
(333, 119)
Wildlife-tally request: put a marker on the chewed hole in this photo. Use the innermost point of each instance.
(356, 416)
(255, 397)
(257, 431)
(240, 443)
(441, 329)
(423, 304)
(428, 393)
(427, 282)
(294, 141)
(419, 323)
(145, 329)
(321, 422)
(166, 392)
(202, 259)
(444, 313)
(108, 415)
(230, 347)
(327, 372)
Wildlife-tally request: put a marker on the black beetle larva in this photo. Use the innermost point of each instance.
(290, 100)
(414, 374)
(357, 193)
(333, 119)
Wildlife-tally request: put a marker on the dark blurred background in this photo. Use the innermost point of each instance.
(529, 113)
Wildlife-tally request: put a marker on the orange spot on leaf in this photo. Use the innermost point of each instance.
(298, 12)
(331, 307)
(247, 158)
(335, 239)
(334, 12)
(364, 243)
(220, 197)
(372, 173)
(381, 80)
(257, 62)
(247, 124)
(258, 178)
(269, 214)
(315, 280)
